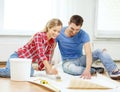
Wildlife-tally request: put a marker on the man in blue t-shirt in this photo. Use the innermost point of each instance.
(71, 41)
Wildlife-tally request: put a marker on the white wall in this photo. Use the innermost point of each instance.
(9, 44)
(85, 8)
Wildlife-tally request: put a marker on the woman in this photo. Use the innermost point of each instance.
(40, 48)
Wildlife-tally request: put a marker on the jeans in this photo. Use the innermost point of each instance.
(77, 66)
(5, 72)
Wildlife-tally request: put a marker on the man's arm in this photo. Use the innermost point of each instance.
(86, 73)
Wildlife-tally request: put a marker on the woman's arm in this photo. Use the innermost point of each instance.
(53, 53)
(40, 46)
(48, 66)
(49, 69)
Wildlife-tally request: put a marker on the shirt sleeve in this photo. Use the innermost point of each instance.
(85, 37)
(39, 42)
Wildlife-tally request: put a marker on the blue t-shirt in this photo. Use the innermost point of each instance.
(71, 47)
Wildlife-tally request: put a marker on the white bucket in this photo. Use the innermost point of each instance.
(20, 69)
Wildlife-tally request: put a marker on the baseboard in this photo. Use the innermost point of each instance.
(2, 63)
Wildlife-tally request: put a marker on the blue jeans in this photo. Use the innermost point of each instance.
(5, 72)
(77, 66)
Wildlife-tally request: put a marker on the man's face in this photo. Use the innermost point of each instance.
(73, 29)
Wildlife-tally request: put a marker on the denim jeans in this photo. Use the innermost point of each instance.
(77, 66)
(5, 72)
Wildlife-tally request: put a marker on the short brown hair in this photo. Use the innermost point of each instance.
(76, 19)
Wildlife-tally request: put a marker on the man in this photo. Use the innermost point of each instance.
(71, 41)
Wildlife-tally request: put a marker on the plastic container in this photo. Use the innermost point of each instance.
(20, 69)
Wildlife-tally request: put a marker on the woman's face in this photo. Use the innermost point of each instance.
(54, 31)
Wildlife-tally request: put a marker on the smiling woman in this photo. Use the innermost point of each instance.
(19, 16)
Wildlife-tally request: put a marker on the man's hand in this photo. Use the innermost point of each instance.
(86, 75)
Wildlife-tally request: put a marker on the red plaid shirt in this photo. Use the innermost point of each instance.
(38, 49)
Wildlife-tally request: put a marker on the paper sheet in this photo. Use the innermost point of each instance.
(66, 80)
(48, 84)
(96, 82)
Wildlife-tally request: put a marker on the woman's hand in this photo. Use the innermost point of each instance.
(49, 68)
(52, 71)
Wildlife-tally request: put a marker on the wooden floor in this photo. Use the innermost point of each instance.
(7, 85)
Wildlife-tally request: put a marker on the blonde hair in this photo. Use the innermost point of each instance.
(52, 23)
